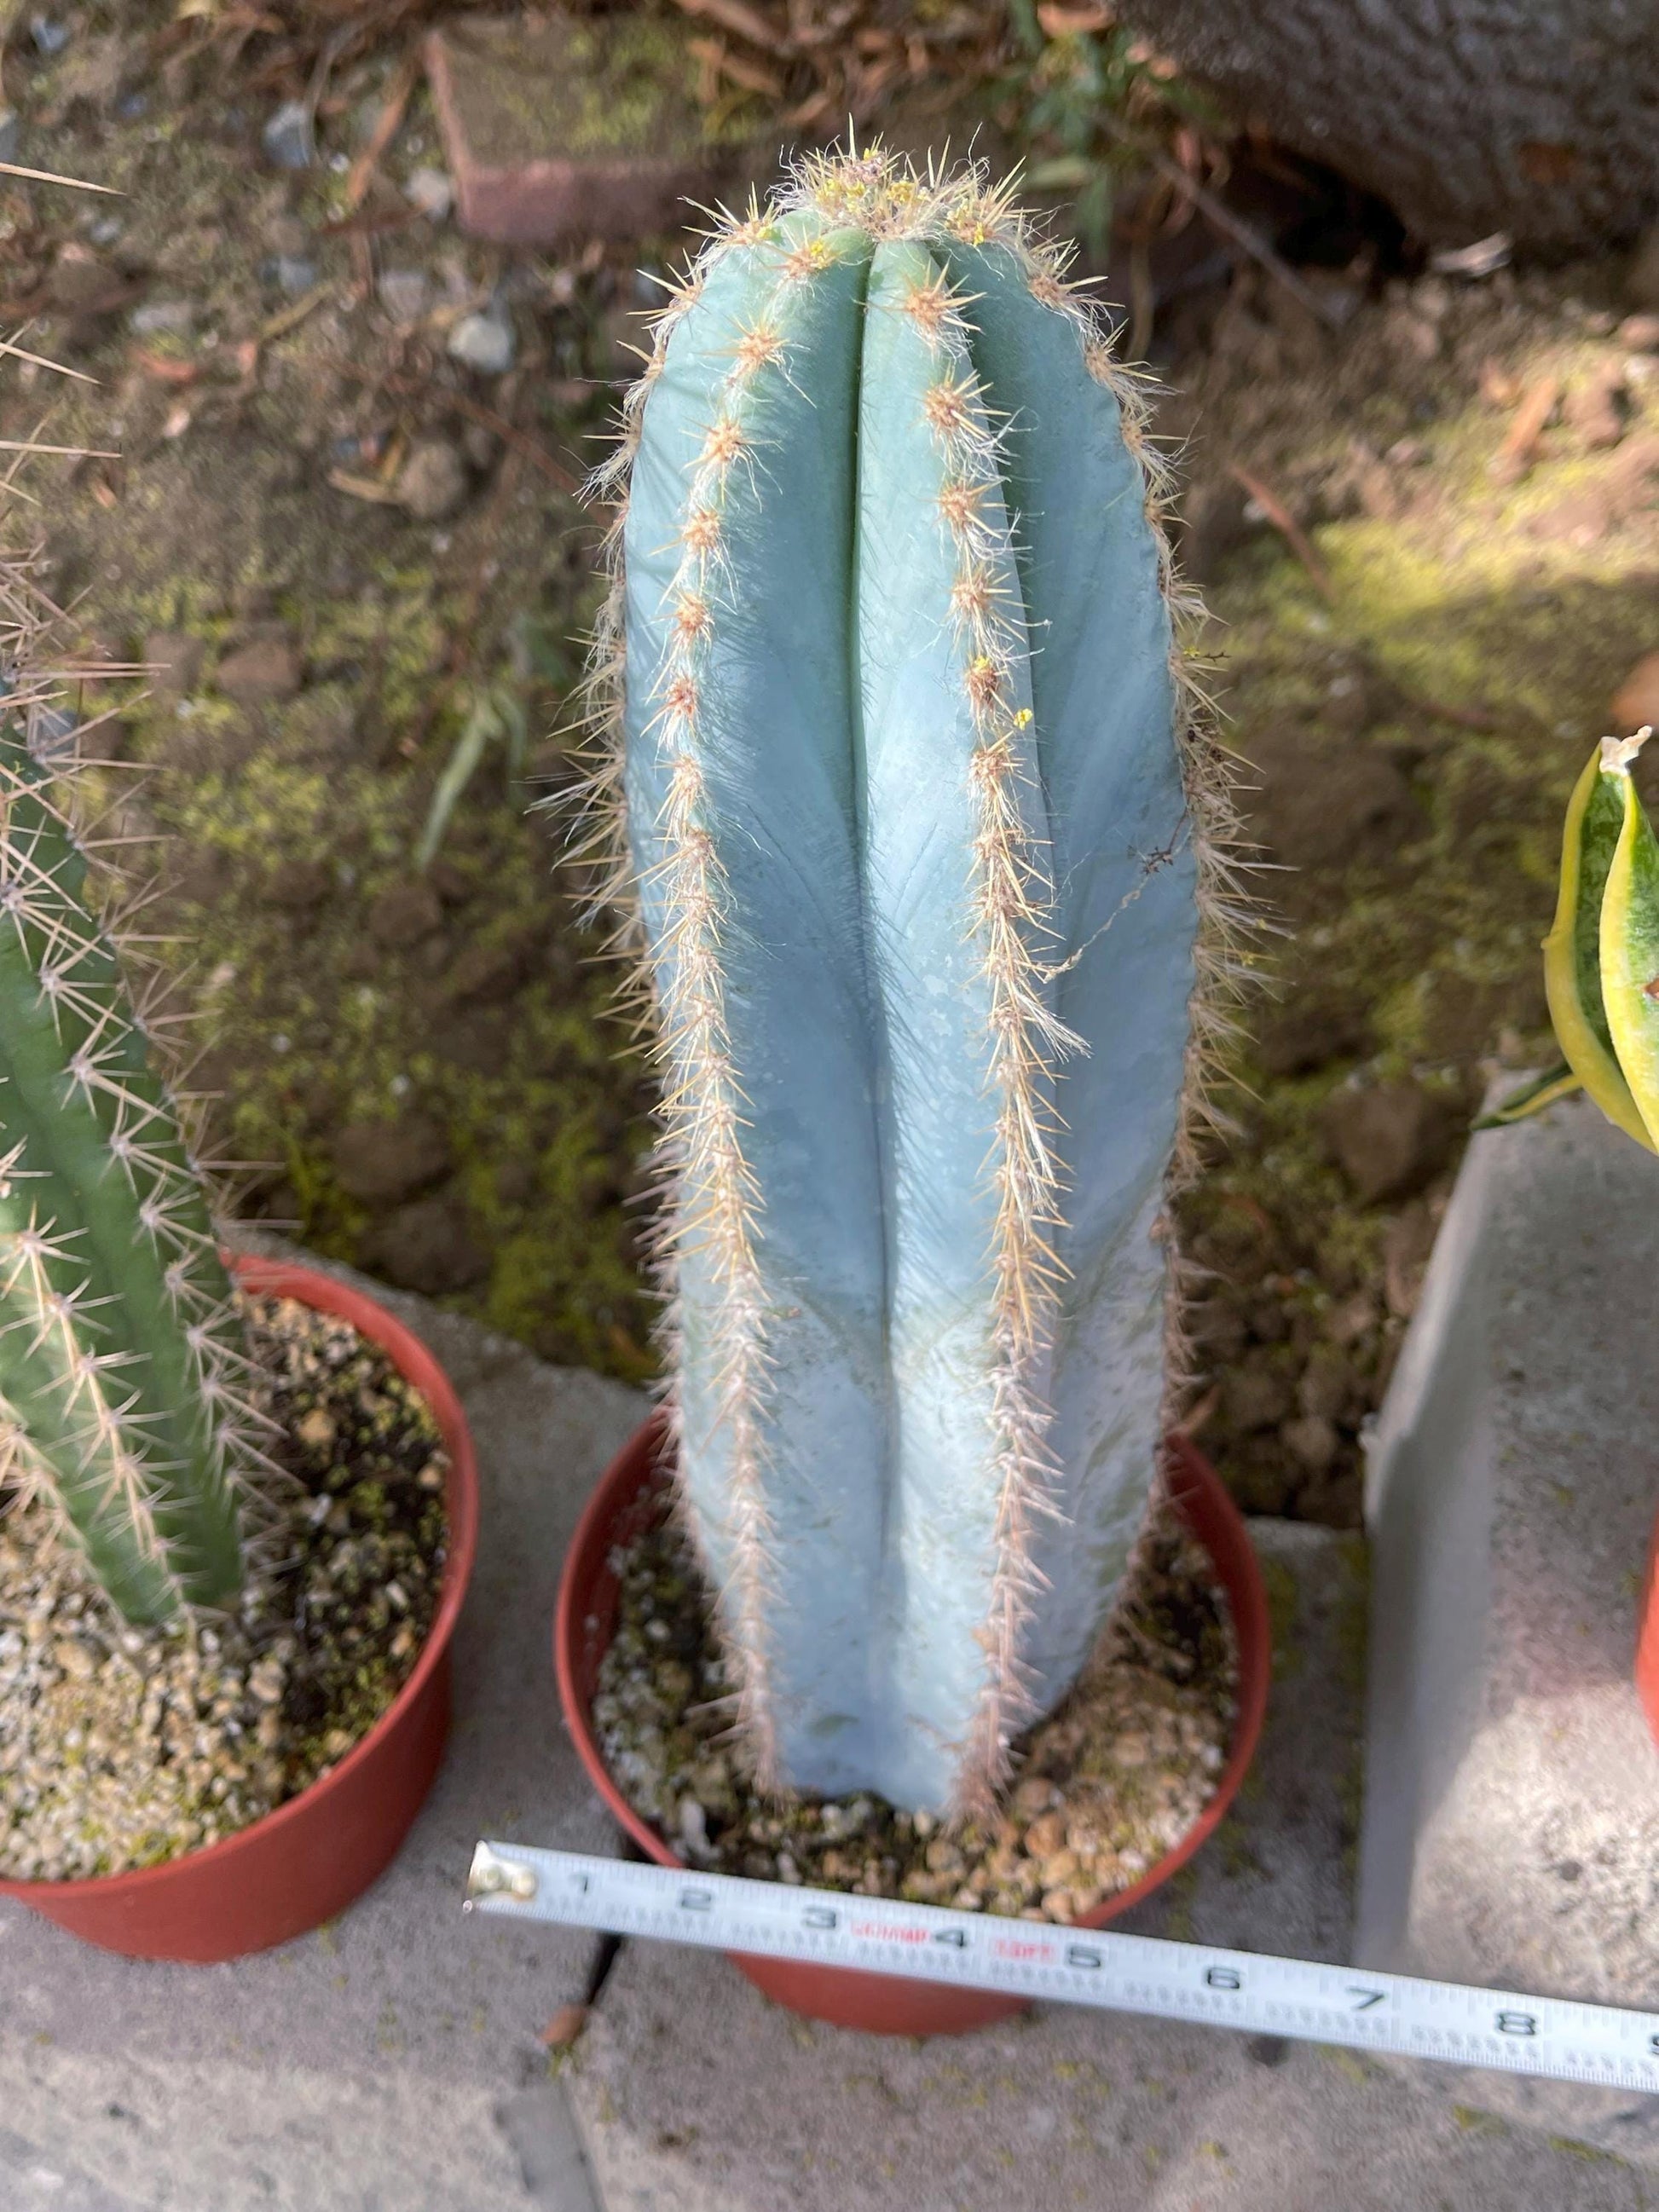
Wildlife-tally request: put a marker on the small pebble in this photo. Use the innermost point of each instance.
(292, 273)
(484, 341)
(1045, 1835)
(317, 1430)
(289, 140)
(433, 481)
(430, 192)
(1139, 1744)
(123, 1746)
(161, 315)
(403, 293)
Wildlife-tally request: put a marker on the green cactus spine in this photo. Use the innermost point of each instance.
(915, 832)
(120, 1347)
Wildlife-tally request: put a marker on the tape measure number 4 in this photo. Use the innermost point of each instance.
(1503, 2029)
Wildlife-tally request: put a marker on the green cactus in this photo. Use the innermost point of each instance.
(913, 828)
(120, 1347)
(1602, 958)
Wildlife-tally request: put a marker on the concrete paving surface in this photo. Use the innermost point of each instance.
(695, 2095)
(1511, 1829)
(392, 2062)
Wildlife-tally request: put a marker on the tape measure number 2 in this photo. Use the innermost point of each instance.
(1503, 2029)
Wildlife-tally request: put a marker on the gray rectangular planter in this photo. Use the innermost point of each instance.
(1511, 1822)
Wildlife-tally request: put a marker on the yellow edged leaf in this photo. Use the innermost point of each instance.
(1572, 951)
(1629, 936)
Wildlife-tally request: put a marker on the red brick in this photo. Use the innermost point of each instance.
(561, 131)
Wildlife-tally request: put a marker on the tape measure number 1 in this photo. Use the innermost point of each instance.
(1504, 2030)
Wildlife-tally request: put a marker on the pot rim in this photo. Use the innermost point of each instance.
(419, 1366)
(1252, 1632)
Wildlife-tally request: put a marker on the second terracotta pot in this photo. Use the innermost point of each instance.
(627, 1500)
(307, 1861)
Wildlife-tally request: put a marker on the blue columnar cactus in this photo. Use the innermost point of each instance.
(912, 826)
(120, 1349)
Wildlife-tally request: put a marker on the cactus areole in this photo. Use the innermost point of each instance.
(911, 824)
(120, 1349)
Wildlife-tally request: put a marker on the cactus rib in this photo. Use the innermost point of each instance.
(121, 1367)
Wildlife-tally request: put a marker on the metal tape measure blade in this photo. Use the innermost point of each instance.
(1506, 2031)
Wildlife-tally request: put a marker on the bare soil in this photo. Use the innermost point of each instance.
(339, 544)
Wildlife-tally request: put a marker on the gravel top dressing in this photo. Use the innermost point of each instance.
(122, 1748)
(1108, 1784)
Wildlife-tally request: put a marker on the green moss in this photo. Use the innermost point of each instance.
(1473, 2121)
(1353, 1614)
(1571, 2148)
(1179, 1893)
(1283, 1606)
(622, 86)
(1348, 2062)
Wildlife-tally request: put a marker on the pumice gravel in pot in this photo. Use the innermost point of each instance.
(1117, 1789)
(226, 1519)
(918, 843)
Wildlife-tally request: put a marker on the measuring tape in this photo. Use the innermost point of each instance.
(1503, 2029)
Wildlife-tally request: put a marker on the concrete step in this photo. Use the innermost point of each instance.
(1511, 1832)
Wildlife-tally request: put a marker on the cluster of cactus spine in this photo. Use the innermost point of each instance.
(1602, 958)
(121, 1350)
(915, 834)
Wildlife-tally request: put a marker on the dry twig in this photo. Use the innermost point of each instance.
(1288, 528)
(387, 124)
(737, 16)
(409, 387)
(1219, 215)
(1515, 457)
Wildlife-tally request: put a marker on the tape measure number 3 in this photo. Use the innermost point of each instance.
(1503, 2029)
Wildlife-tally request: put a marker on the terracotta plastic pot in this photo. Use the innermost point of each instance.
(301, 1864)
(627, 1499)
